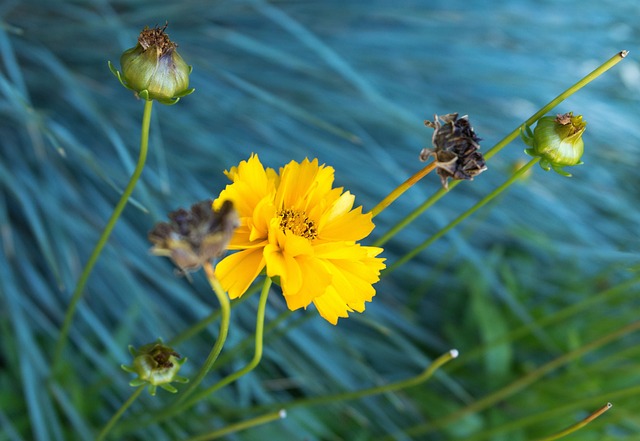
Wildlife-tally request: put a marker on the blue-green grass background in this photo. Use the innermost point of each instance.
(543, 270)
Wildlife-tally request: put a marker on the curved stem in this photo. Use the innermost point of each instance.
(522, 170)
(395, 194)
(201, 325)
(579, 425)
(244, 425)
(86, 272)
(522, 382)
(262, 304)
(223, 298)
(505, 141)
(114, 419)
(402, 384)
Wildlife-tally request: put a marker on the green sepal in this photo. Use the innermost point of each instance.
(169, 388)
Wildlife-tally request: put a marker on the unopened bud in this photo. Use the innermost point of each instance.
(156, 365)
(557, 140)
(154, 69)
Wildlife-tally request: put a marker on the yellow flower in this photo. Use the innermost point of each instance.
(303, 231)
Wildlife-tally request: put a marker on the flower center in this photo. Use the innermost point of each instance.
(298, 223)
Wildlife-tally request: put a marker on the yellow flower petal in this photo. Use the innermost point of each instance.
(349, 226)
(251, 183)
(236, 271)
(331, 306)
(315, 280)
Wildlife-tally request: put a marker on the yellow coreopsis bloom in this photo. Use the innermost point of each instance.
(303, 231)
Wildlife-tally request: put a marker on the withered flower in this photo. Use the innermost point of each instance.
(194, 237)
(455, 148)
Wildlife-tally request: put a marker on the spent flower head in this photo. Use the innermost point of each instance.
(557, 140)
(455, 148)
(195, 236)
(155, 364)
(154, 69)
(305, 234)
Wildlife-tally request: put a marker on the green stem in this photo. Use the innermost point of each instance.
(262, 304)
(579, 425)
(86, 272)
(522, 382)
(201, 325)
(398, 385)
(225, 307)
(522, 170)
(114, 419)
(244, 425)
(505, 141)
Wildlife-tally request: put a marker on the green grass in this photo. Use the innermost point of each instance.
(531, 281)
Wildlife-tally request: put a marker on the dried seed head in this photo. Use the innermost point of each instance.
(455, 148)
(196, 236)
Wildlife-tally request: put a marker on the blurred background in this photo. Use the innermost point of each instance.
(538, 291)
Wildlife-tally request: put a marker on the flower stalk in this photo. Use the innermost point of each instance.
(225, 308)
(523, 381)
(400, 189)
(257, 355)
(244, 425)
(579, 425)
(496, 192)
(104, 237)
(114, 419)
(385, 388)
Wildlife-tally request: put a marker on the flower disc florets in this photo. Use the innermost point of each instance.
(304, 233)
(154, 69)
(557, 140)
(196, 236)
(455, 148)
(156, 365)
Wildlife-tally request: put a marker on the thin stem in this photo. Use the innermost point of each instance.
(398, 385)
(505, 141)
(522, 170)
(395, 194)
(225, 307)
(523, 381)
(114, 419)
(201, 325)
(244, 425)
(557, 100)
(579, 425)
(86, 272)
(257, 356)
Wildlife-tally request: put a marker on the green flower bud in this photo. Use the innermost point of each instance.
(156, 365)
(154, 69)
(557, 141)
